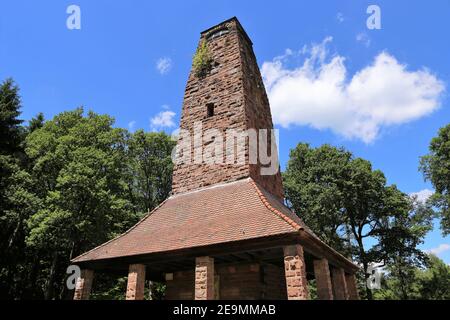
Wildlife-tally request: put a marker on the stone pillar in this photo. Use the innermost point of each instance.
(83, 285)
(339, 284)
(136, 282)
(204, 278)
(295, 273)
(352, 287)
(323, 279)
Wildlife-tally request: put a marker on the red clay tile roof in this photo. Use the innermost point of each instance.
(230, 212)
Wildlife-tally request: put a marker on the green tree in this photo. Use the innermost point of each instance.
(313, 188)
(436, 168)
(37, 122)
(400, 244)
(17, 200)
(430, 281)
(67, 185)
(18, 203)
(151, 169)
(434, 281)
(79, 163)
(10, 124)
(346, 202)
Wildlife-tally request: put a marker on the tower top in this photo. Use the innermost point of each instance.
(223, 25)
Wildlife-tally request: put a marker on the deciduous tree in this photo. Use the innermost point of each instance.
(346, 203)
(436, 168)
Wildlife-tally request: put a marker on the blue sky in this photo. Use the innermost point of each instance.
(131, 60)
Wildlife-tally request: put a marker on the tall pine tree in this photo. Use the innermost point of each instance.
(17, 202)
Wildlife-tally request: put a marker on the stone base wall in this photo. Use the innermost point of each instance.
(274, 282)
(247, 281)
(182, 286)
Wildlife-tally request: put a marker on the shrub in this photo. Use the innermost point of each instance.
(202, 60)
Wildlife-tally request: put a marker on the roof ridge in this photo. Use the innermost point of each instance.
(280, 214)
(122, 234)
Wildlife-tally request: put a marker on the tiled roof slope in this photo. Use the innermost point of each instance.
(229, 212)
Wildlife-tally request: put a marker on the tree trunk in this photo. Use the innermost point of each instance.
(401, 278)
(13, 236)
(51, 278)
(366, 278)
(362, 257)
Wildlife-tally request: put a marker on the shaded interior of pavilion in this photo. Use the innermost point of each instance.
(260, 273)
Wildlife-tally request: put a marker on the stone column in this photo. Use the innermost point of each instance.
(84, 285)
(136, 282)
(204, 278)
(295, 273)
(339, 284)
(323, 279)
(352, 287)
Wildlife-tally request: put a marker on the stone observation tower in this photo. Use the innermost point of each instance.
(225, 232)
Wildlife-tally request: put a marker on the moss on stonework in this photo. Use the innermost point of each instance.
(202, 60)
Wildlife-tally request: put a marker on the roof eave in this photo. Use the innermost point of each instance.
(333, 256)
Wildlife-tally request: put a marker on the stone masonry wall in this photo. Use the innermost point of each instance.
(182, 286)
(223, 88)
(244, 281)
(235, 88)
(258, 114)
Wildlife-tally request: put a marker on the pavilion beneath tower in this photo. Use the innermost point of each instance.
(225, 232)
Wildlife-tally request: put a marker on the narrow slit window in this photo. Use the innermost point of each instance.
(209, 110)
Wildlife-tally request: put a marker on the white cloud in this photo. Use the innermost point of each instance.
(319, 94)
(164, 119)
(363, 38)
(422, 195)
(340, 17)
(163, 65)
(439, 249)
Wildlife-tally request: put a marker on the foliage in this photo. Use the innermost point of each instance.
(346, 202)
(436, 168)
(17, 200)
(66, 186)
(313, 189)
(10, 129)
(430, 282)
(36, 122)
(202, 61)
(79, 163)
(312, 289)
(434, 281)
(151, 169)
(108, 287)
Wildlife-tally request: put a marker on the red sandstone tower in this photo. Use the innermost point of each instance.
(225, 232)
(233, 93)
